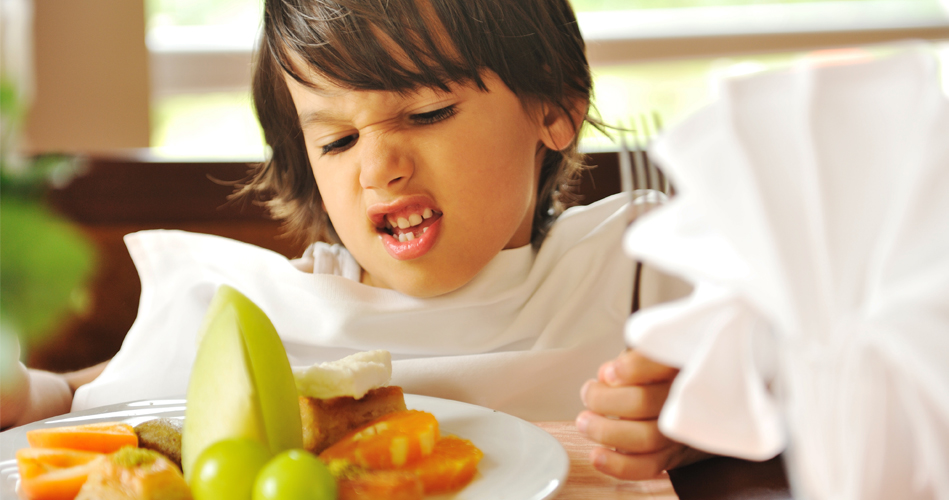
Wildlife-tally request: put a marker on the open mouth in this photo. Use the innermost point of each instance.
(409, 224)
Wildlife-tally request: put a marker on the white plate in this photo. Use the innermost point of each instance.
(521, 461)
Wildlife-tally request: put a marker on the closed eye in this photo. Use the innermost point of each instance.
(340, 145)
(434, 116)
(427, 118)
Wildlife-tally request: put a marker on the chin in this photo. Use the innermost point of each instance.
(426, 286)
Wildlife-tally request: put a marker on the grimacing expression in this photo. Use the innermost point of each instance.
(425, 188)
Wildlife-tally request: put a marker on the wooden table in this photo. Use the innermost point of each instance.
(719, 478)
(586, 483)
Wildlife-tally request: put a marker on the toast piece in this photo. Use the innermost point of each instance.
(326, 421)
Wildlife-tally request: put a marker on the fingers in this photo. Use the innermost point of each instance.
(632, 368)
(633, 388)
(639, 402)
(644, 466)
(631, 436)
(630, 467)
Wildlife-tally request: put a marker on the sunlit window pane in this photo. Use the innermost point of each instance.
(218, 125)
(672, 90)
(203, 12)
(664, 91)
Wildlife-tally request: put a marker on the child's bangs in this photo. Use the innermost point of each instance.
(365, 45)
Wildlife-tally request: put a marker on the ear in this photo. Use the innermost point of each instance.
(560, 127)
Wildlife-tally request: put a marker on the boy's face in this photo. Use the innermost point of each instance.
(459, 169)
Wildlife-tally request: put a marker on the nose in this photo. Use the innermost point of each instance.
(385, 163)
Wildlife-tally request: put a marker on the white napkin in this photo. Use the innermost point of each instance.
(813, 217)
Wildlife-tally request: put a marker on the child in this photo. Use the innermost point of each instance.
(433, 141)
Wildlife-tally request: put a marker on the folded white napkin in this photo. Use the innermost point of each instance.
(813, 216)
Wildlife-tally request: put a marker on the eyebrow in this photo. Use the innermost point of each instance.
(318, 116)
(308, 118)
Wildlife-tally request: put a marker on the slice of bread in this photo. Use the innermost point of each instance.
(326, 421)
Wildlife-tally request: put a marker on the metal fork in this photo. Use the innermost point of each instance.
(641, 180)
(641, 174)
(648, 175)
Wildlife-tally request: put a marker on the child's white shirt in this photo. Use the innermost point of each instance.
(522, 337)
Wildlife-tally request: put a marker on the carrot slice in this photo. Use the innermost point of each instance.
(104, 437)
(54, 473)
(390, 441)
(450, 467)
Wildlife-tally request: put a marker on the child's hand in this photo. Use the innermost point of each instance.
(632, 388)
(28, 395)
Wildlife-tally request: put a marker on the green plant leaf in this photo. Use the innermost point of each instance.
(44, 264)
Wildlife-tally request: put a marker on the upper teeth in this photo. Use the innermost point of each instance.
(412, 220)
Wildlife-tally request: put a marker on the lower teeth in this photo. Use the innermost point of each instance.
(403, 237)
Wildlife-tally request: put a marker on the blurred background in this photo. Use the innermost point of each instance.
(127, 109)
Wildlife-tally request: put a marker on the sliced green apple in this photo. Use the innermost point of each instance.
(241, 383)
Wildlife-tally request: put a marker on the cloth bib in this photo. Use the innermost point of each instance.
(521, 337)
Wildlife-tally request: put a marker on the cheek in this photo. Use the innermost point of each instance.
(333, 197)
(507, 170)
(492, 188)
(498, 154)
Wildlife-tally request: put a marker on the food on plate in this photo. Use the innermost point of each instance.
(244, 427)
(352, 376)
(375, 447)
(295, 475)
(406, 441)
(226, 470)
(326, 421)
(241, 382)
(339, 396)
(100, 437)
(357, 483)
(452, 465)
(53, 473)
(388, 442)
(134, 474)
(162, 435)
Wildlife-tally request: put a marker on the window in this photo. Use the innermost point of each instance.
(200, 53)
(648, 56)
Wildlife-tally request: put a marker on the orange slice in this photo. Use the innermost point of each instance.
(390, 441)
(450, 467)
(387, 484)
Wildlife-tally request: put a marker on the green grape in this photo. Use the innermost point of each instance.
(226, 470)
(295, 475)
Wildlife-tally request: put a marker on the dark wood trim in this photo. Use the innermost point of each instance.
(129, 189)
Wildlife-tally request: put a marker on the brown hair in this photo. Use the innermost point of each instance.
(534, 46)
